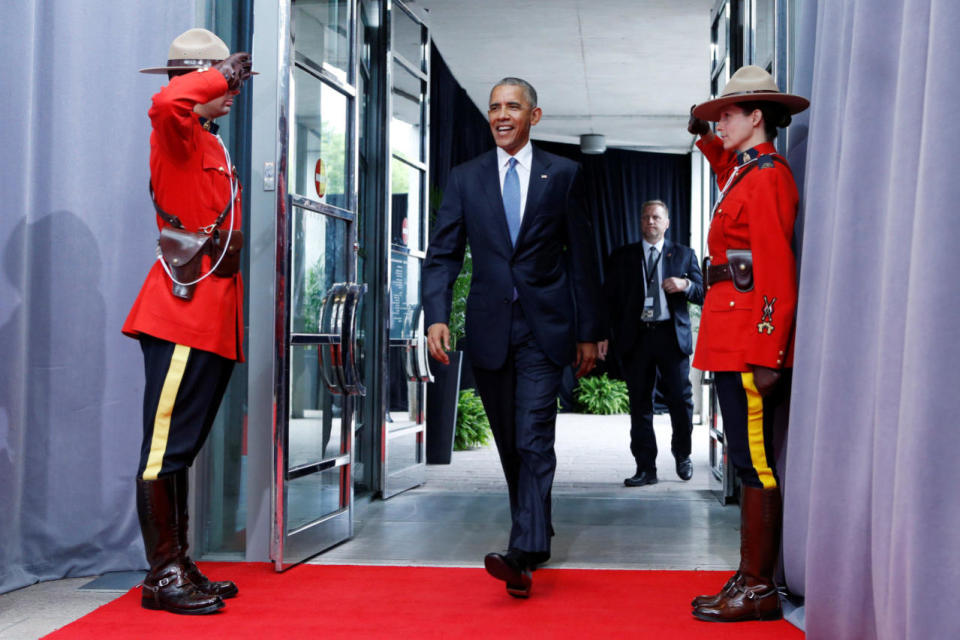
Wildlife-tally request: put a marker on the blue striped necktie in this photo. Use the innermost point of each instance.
(511, 200)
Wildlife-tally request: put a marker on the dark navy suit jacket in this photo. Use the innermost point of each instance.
(624, 288)
(553, 265)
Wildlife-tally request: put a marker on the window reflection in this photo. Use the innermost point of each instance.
(318, 257)
(406, 126)
(320, 34)
(318, 146)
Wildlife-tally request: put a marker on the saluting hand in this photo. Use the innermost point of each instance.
(696, 126)
(235, 69)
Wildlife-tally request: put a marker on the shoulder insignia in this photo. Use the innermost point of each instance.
(765, 162)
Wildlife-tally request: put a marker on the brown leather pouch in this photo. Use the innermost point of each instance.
(231, 254)
(741, 269)
(183, 252)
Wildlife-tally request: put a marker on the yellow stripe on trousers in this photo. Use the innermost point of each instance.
(161, 422)
(758, 452)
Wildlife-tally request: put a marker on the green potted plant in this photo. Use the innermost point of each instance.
(601, 395)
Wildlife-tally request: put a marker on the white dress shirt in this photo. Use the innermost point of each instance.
(524, 161)
(664, 310)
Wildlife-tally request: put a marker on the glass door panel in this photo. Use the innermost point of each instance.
(318, 258)
(320, 155)
(406, 203)
(406, 129)
(317, 338)
(404, 429)
(321, 33)
(409, 38)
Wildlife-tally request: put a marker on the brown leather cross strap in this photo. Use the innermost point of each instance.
(175, 222)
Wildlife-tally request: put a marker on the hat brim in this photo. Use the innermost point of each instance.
(711, 109)
(181, 68)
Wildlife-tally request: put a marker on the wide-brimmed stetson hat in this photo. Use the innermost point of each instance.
(191, 50)
(748, 84)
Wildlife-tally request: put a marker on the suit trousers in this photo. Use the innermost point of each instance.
(184, 387)
(656, 349)
(520, 399)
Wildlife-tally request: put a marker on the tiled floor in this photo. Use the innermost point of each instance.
(461, 513)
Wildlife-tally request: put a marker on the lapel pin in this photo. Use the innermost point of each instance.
(543, 176)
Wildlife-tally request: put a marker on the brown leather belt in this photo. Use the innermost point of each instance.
(714, 273)
(738, 268)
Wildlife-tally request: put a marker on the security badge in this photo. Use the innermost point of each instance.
(766, 321)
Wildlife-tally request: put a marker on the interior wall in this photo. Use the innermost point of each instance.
(77, 235)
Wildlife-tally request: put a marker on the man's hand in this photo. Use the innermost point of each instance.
(696, 126)
(235, 69)
(675, 285)
(438, 341)
(765, 378)
(602, 347)
(586, 358)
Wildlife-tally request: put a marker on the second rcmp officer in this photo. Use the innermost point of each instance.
(746, 330)
(188, 316)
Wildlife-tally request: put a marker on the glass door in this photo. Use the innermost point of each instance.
(318, 346)
(405, 368)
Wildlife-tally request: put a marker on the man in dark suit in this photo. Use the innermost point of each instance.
(533, 306)
(651, 282)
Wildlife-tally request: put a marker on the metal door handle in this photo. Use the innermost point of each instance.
(351, 377)
(331, 352)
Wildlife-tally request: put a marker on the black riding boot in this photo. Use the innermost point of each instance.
(167, 586)
(225, 588)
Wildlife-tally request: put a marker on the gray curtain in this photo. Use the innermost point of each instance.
(872, 519)
(77, 237)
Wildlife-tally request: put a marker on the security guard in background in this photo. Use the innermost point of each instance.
(746, 329)
(188, 316)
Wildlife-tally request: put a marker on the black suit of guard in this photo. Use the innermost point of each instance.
(518, 346)
(644, 348)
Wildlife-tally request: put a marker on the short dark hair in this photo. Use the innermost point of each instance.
(775, 115)
(655, 203)
(528, 89)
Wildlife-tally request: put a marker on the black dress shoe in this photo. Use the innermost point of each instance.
(684, 468)
(641, 478)
(510, 567)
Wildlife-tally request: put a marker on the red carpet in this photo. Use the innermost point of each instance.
(426, 602)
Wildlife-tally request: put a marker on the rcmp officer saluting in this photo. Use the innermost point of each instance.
(188, 316)
(746, 329)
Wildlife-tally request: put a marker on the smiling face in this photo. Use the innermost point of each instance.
(740, 130)
(218, 107)
(511, 117)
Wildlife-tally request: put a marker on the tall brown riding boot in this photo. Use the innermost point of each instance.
(753, 596)
(166, 586)
(223, 588)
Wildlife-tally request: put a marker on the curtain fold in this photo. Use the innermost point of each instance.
(77, 237)
(870, 521)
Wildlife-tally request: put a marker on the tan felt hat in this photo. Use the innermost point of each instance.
(191, 50)
(748, 84)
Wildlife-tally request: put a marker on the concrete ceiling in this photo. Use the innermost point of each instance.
(627, 69)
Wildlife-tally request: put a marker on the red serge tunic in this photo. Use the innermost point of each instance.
(754, 328)
(191, 180)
